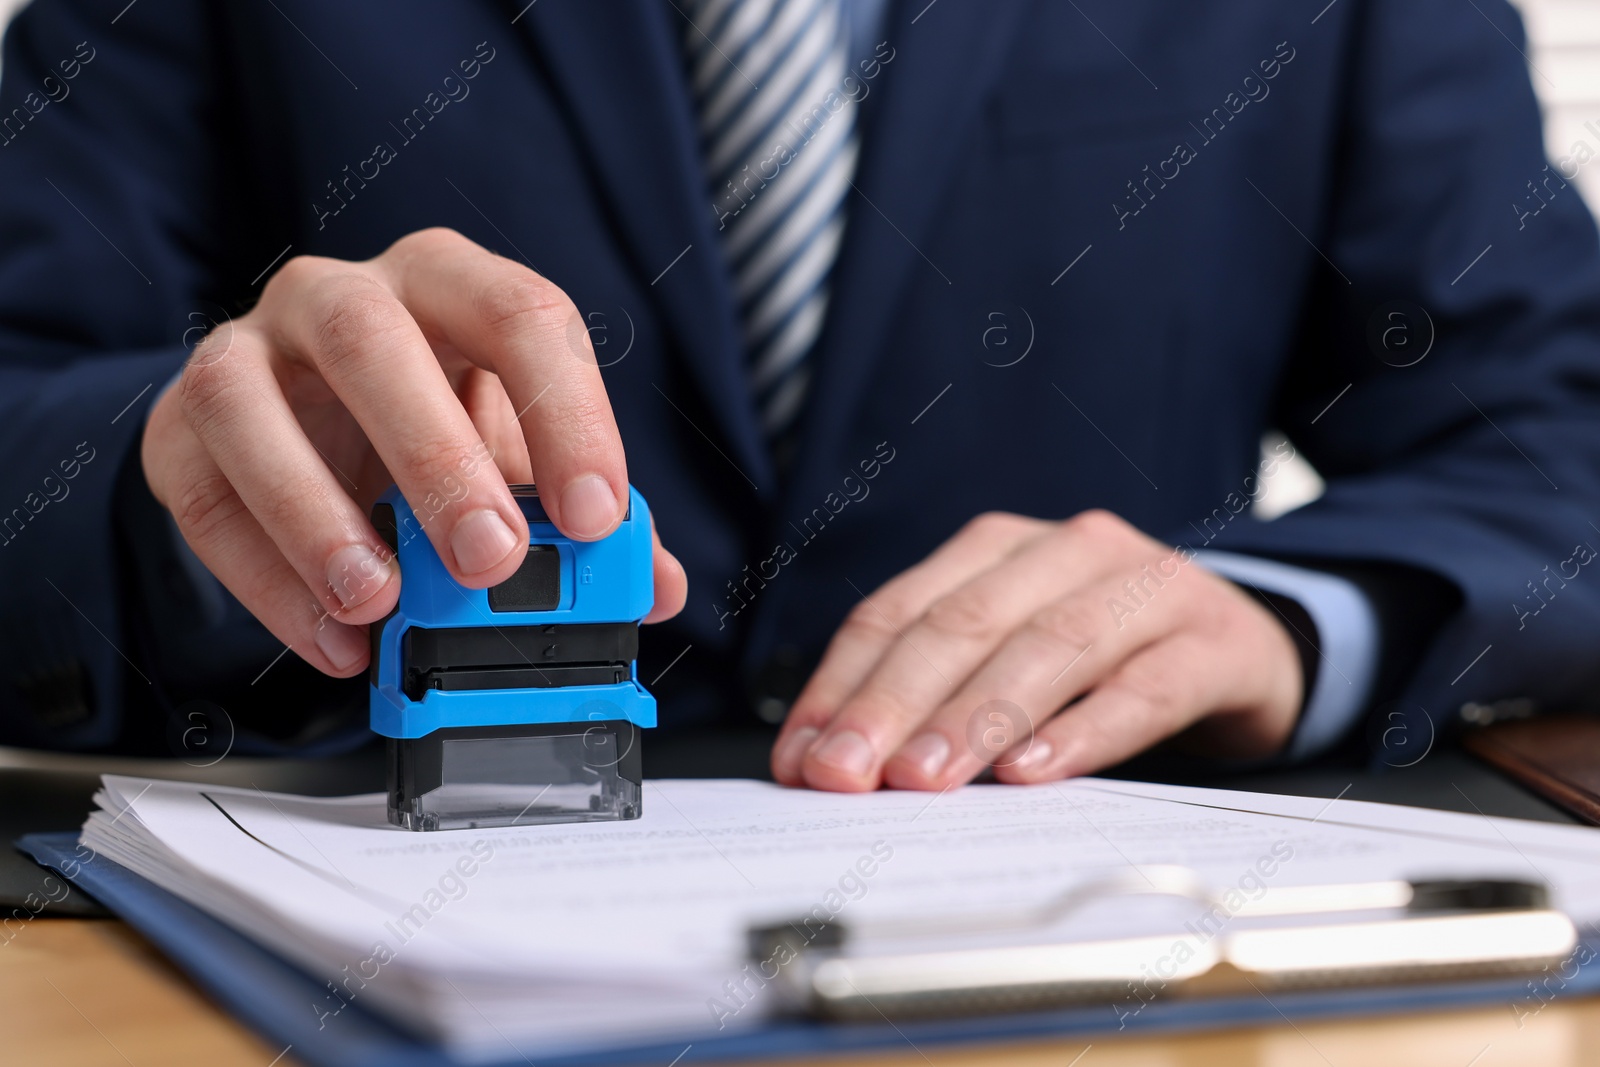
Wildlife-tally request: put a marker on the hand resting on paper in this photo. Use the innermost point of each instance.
(1021, 619)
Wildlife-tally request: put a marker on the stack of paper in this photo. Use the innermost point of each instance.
(564, 938)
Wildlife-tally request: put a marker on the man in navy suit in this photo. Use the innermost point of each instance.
(941, 338)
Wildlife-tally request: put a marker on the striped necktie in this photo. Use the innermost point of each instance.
(779, 142)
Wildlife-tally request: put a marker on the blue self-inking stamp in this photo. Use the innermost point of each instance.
(519, 703)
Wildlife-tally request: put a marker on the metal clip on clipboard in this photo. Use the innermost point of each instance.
(1446, 930)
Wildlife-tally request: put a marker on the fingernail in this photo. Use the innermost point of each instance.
(588, 506)
(1037, 756)
(480, 540)
(340, 643)
(847, 751)
(355, 573)
(793, 751)
(927, 752)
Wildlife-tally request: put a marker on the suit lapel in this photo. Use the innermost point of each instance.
(946, 56)
(618, 69)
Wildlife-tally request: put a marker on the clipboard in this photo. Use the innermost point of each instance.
(1311, 937)
(274, 998)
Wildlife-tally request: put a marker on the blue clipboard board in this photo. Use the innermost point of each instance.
(280, 1001)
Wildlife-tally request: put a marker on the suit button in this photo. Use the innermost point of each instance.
(777, 684)
(59, 694)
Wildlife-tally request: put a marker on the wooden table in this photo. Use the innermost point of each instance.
(92, 993)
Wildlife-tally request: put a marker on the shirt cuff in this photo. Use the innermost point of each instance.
(1346, 640)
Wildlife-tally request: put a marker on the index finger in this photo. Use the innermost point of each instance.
(878, 622)
(505, 318)
(345, 325)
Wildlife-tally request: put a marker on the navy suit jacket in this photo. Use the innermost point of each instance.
(1087, 264)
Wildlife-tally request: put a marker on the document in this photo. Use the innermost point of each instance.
(546, 939)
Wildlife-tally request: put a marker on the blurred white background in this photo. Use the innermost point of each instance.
(1564, 52)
